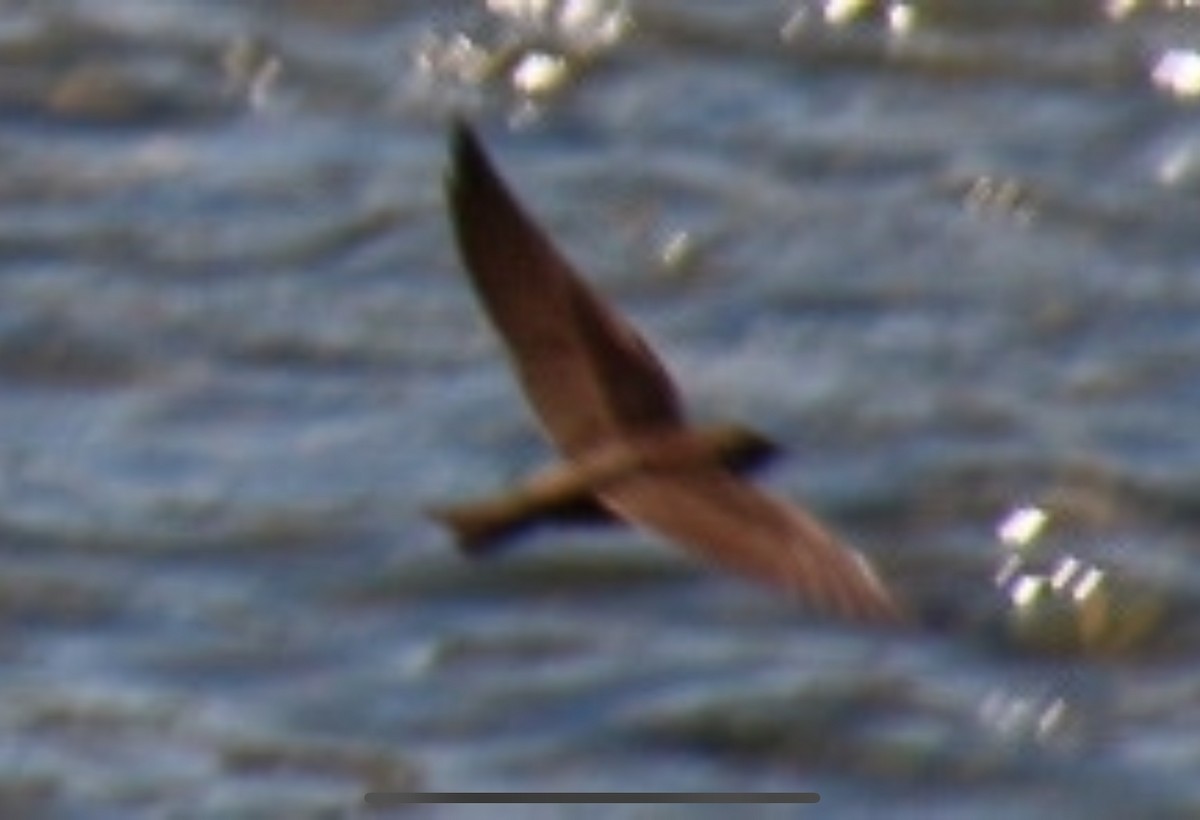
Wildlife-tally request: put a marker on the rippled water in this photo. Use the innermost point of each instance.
(945, 251)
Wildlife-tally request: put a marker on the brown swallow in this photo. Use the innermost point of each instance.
(610, 407)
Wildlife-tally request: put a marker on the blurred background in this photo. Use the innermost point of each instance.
(945, 251)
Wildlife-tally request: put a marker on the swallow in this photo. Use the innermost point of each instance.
(609, 406)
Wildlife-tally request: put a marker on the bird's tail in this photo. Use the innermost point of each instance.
(479, 527)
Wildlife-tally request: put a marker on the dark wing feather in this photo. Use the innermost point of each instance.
(588, 374)
(732, 524)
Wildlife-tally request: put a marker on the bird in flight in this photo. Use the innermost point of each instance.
(609, 406)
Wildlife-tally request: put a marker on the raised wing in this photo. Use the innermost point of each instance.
(732, 524)
(588, 374)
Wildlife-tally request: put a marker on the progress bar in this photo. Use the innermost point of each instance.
(379, 799)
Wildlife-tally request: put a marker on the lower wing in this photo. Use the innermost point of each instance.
(732, 524)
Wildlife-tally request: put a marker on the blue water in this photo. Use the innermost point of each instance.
(943, 251)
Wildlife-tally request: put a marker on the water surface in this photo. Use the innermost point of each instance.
(943, 251)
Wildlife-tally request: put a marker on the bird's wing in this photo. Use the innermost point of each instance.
(732, 524)
(588, 373)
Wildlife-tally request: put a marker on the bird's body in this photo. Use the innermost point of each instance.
(609, 406)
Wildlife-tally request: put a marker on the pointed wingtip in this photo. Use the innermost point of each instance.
(468, 160)
(462, 139)
(874, 601)
(458, 145)
(476, 195)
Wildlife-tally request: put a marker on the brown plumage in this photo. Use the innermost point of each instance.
(610, 407)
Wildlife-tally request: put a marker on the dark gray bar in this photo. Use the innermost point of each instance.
(407, 798)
